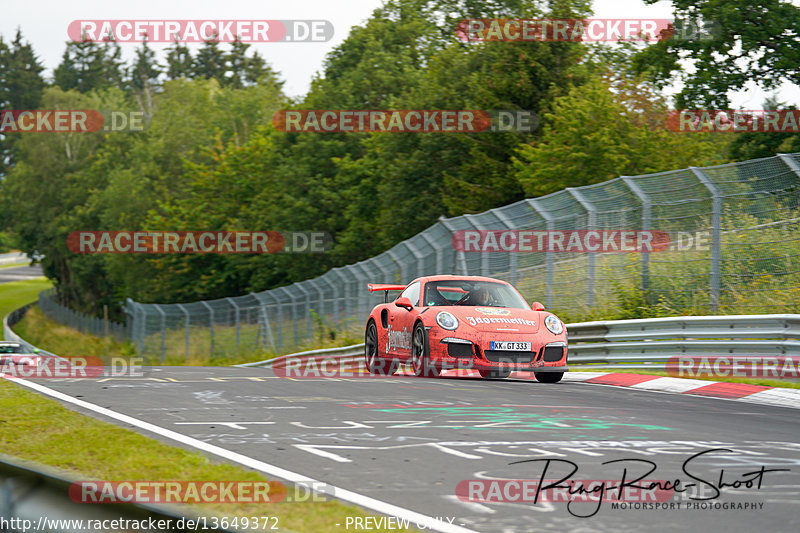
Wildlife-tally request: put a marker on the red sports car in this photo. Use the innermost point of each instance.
(446, 322)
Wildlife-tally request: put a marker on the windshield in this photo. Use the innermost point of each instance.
(473, 293)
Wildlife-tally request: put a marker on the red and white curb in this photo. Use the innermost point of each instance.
(743, 392)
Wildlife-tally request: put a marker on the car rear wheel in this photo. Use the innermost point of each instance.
(420, 354)
(548, 377)
(495, 373)
(375, 363)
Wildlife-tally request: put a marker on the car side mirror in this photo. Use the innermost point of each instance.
(404, 302)
(35, 350)
(537, 306)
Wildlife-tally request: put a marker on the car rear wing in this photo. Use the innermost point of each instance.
(372, 287)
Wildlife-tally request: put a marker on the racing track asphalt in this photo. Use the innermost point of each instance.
(409, 441)
(20, 273)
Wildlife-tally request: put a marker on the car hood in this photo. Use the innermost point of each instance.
(490, 319)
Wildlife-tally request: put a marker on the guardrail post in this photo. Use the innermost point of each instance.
(647, 207)
(210, 326)
(236, 313)
(591, 222)
(163, 331)
(549, 220)
(716, 234)
(188, 322)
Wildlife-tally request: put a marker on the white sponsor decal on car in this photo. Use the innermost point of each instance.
(398, 339)
(475, 320)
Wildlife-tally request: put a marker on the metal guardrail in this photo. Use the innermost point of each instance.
(651, 342)
(353, 350)
(29, 492)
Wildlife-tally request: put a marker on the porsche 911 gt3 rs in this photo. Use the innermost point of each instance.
(444, 322)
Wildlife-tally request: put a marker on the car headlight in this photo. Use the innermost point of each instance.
(553, 324)
(446, 320)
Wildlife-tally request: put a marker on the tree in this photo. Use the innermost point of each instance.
(739, 42)
(209, 62)
(144, 77)
(179, 61)
(605, 129)
(21, 87)
(87, 65)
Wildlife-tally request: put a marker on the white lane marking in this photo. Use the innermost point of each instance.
(232, 425)
(342, 494)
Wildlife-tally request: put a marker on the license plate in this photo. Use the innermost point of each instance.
(511, 346)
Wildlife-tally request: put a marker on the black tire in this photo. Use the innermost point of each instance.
(374, 362)
(548, 377)
(420, 354)
(500, 373)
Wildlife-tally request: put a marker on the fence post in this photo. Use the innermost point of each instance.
(163, 331)
(188, 321)
(646, 221)
(791, 163)
(716, 234)
(513, 259)
(460, 259)
(403, 274)
(549, 254)
(436, 249)
(591, 212)
(341, 308)
(263, 315)
(300, 287)
(294, 315)
(236, 314)
(336, 297)
(210, 326)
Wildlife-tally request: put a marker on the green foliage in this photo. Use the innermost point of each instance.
(608, 128)
(747, 42)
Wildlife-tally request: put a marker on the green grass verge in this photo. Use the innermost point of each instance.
(18, 293)
(41, 430)
(750, 381)
(54, 337)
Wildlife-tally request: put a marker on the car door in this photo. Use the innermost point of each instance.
(401, 324)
